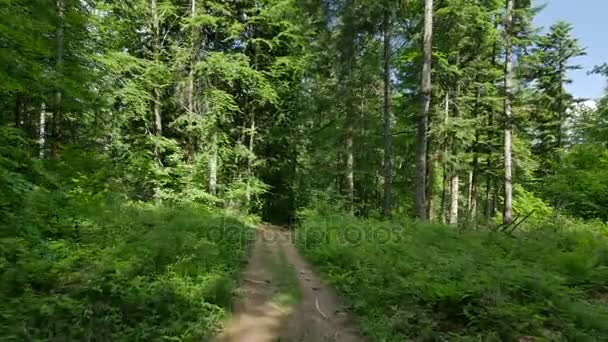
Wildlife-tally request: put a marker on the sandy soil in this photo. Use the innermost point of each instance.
(315, 315)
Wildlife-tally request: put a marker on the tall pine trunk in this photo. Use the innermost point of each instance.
(250, 158)
(433, 163)
(59, 47)
(472, 208)
(473, 174)
(42, 131)
(508, 113)
(444, 182)
(350, 161)
(386, 207)
(454, 197)
(158, 120)
(425, 103)
(560, 111)
(156, 110)
(193, 55)
(191, 141)
(454, 176)
(212, 164)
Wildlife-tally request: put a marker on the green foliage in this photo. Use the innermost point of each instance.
(580, 186)
(113, 270)
(80, 261)
(413, 281)
(526, 203)
(126, 125)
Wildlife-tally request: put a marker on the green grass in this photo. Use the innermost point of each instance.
(77, 269)
(411, 281)
(284, 277)
(289, 293)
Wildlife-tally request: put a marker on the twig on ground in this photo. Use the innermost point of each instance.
(319, 309)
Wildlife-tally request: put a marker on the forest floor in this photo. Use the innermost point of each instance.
(281, 299)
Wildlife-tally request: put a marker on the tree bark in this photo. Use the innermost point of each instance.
(213, 165)
(454, 197)
(508, 83)
(489, 201)
(489, 209)
(386, 207)
(158, 123)
(444, 194)
(431, 166)
(472, 209)
(191, 139)
(454, 176)
(433, 163)
(560, 112)
(59, 46)
(425, 102)
(158, 120)
(156, 110)
(250, 158)
(193, 52)
(444, 184)
(42, 131)
(473, 174)
(350, 178)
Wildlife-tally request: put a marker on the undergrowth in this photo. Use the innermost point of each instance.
(81, 268)
(425, 282)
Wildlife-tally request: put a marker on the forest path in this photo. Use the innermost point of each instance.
(281, 299)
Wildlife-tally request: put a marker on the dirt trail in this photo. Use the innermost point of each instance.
(281, 299)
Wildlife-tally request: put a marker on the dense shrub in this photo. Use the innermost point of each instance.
(413, 281)
(580, 185)
(94, 268)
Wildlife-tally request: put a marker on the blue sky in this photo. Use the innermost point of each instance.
(591, 28)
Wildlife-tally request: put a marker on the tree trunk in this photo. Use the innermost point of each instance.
(472, 209)
(454, 176)
(489, 201)
(444, 184)
(191, 140)
(386, 207)
(158, 120)
(350, 178)
(508, 181)
(560, 112)
(59, 42)
(425, 102)
(193, 52)
(454, 197)
(431, 175)
(213, 165)
(156, 110)
(473, 174)
(42, 130)
(444, 194)
(250, 158)
(489, 160)
(158, 123)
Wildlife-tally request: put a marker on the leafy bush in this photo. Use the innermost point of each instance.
(78, 267)
(414, 281)
(580, 185)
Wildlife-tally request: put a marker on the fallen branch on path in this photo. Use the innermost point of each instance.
(319, 309)
(256, 281)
